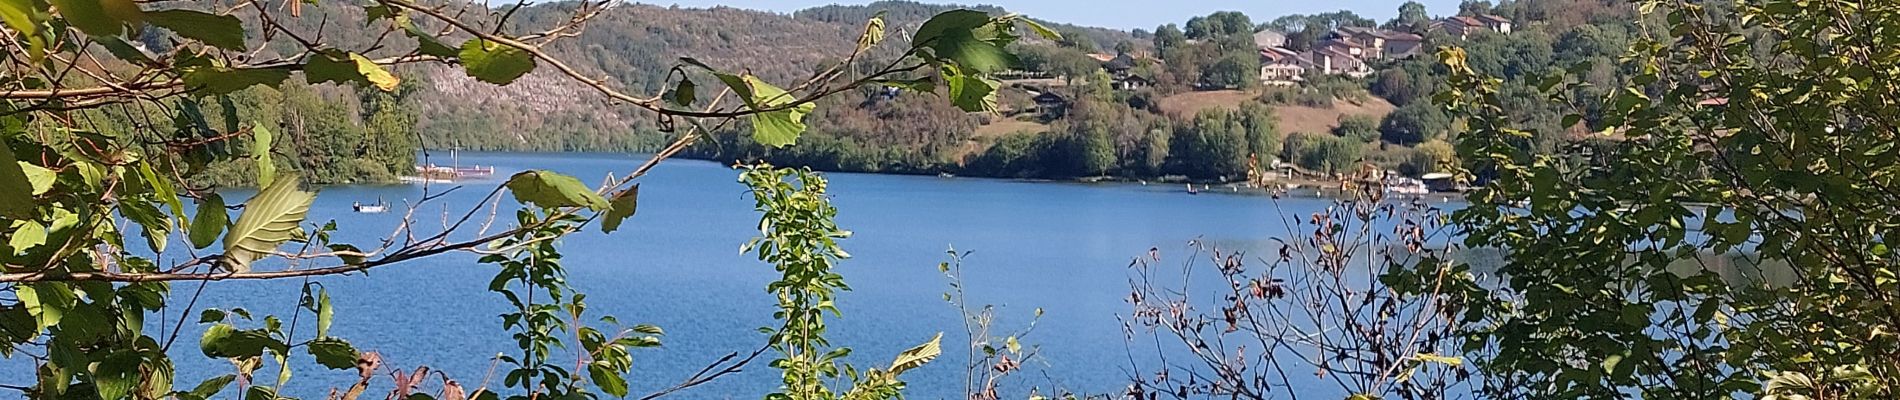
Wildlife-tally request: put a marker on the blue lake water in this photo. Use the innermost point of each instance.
(1061, 247)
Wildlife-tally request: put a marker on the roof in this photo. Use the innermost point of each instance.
(1403, 36)
(1494, 19)
(1348, 42)
(1136, 78)
(1464, 20)
(1050, 97)
(1101, 57)
(1120, 62)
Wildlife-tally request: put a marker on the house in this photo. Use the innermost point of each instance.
(1332, 61)
(1343, 45)
(1463, 26)
(1267, 39)
(1402, 45)
(1119, 66)
(1051, 105)
(1132, 82)
(1496, 23)
(1282, 67)
(1382, 43)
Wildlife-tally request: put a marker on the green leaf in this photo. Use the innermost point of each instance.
(685, 94)
(324, 313)
(952, 35)
(268, 220)
(917, 356)
(227, 341)
(333, 353)
(98, 17)
(223, 80)
(948, 21)
(211, 315)
(16, 188)
(162, 189)
(970, 93)
(117, 375)
(223, 31)
(26, 235)
(1040, 30)
(552, 190)
(210, 221)
(1438, 359)
(21, 16)
(124, 51)
(624, 205)
(426, 43)
(494, 62)
(608, 380)
(211, 387)
(260, 156)
(775, 128)
(343, 67)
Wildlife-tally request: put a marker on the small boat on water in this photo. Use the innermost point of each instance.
(376, 208)
(945, 175)
(1190, 189)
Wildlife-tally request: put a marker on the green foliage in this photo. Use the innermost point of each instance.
(493, 62)
(547, 315)
(270, 218)
(1415, 123)
(95, 145)
(1729, 248)
(548, 189)
(1323, 152)
(800, 240)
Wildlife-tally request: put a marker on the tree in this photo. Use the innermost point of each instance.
(1731, 248)
(1414, 123)
(88, 158)
(1412, 17)
(1474, 7)
(1232, 71)
(1169, 36)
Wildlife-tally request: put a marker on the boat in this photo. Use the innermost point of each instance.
(945, 175)
(1190, 189)
(378, 207)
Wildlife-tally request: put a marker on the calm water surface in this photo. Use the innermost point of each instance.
(1062, 247)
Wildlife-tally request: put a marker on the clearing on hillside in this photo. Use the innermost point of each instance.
(1293, 118)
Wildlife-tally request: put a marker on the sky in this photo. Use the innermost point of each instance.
(1123, 14)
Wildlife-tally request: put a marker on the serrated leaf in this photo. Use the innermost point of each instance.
(209, 222)
(775, 128)
(268, 220)
(223, 31)
(970, 93)
(494, 62)
(624, 205)
(553, 190)
(333, 353)
(917, 356)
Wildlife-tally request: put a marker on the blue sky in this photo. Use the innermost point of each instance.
(1124, 14)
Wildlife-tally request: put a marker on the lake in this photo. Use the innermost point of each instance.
(1061, 247)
